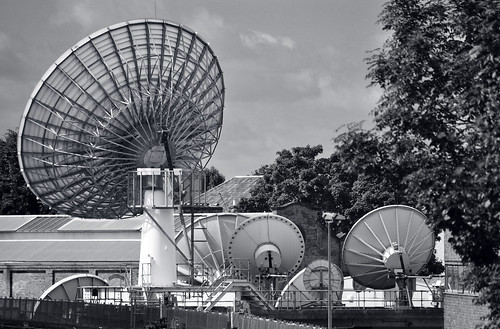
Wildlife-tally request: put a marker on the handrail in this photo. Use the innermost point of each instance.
(359, 299)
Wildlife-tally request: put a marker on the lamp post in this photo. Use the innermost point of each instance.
(329, 219)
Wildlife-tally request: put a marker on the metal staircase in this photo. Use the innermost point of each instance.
(247, 290)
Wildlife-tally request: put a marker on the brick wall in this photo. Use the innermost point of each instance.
(58, 275)
(460, 312)
(32, 282)
(4, 287)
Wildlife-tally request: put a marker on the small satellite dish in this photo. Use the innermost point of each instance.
(316, 279)
(309, 287)
(386, 242)
(67, 288)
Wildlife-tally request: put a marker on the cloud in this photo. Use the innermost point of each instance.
(4, 41)
(209, 25)
(303, 81)
(256, 38)
(13, 63)
(79, 12)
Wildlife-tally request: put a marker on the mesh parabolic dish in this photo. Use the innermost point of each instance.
(100, 107)
(375, 233)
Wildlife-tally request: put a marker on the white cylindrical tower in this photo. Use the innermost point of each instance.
(157, 267)
(157, 257)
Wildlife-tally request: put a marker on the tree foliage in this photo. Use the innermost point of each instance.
(360, 179)
(15, 197)
(439, 72)
(295, 176)
(213, 177)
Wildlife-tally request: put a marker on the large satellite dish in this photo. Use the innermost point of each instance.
(386, 242)
(143, 93)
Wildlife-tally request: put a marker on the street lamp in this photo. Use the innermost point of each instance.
(329, 217)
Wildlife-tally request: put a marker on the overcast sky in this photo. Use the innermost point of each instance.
(294, 70)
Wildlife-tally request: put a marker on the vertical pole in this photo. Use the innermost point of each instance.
(191, 190)
(329, 276)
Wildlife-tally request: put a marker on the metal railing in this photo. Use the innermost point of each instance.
(192, 297)
(358, 299)
(195, 296)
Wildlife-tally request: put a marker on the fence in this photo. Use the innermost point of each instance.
(79, 314)
(251, 322)
(67, 314)
(49, 313)
(189, 319)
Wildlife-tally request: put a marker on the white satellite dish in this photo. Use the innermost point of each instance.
(308, 288)
(386, 242)
(266, 245)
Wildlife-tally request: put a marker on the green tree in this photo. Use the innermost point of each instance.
(213, 177)
(295, 176)
(359, 179)
(439, 72)
(15, 197)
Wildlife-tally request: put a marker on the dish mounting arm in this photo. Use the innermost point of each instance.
(165, 140)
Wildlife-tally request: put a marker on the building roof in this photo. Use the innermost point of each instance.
(44, 224)
(229, 193)
(128, 224)
(69, 250)
(49, 238)
(13, 223)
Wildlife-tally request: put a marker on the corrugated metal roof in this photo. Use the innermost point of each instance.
(69, 250)
(79, 224)
(234, 189)
(45, 224)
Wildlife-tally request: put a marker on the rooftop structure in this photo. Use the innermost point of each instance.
(228, 194)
